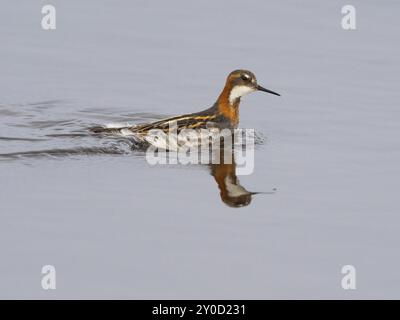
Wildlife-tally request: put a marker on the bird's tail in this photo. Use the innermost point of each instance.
(105, 130)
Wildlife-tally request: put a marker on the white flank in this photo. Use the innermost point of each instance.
(126, 132)
(117, 125)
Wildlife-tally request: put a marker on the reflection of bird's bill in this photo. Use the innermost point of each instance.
(237, 195)
(265, 192)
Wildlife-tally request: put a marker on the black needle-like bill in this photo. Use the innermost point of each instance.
(266, 90)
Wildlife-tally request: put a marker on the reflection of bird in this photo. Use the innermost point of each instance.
(223, 114)
(232, 192)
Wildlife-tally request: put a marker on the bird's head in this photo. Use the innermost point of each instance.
(242, 82)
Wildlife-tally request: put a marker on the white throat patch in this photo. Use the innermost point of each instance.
(239, 91)
(234, 190)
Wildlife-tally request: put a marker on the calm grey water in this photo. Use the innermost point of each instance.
(115, 227)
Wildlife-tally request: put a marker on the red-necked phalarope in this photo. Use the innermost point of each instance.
(223, 114)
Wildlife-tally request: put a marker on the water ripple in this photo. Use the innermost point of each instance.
(62, 130)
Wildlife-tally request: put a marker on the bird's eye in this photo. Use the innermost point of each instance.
(245, 77)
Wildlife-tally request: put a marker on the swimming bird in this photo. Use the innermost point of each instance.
(224, 113)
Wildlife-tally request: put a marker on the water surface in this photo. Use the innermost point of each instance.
(115, 227)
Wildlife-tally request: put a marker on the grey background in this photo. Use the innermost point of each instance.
(115, 227)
